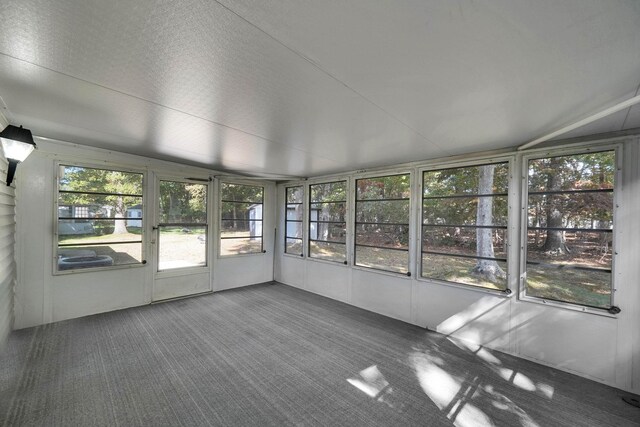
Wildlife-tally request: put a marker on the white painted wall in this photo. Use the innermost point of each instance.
(601, 347)
(42, 297)
(7, 239)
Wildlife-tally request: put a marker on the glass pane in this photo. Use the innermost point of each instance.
(236, 228)
(329, 192)
(335, 232)
(382, 259)
(383, 211)
(242, 193)
(295, 194)
(293, 246)
(183, 202)
(463, 241)
(240, 246)
(294, 212)
(99, 255)
(74, 178)
(585, 249)
(294, 229)
(79, 231)
(180, 247)
(592, 288)
(466, 180)
(571, 210)
(241, 211)
(329, 251)
(388, 236)
(572, 172)
(386, 187)
(327, 212)
(464, 210)
(468, 271)
(72, 205)
(559, 263)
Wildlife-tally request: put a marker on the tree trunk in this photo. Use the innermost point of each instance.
(121, 209)
(487, 269)
(555, 241)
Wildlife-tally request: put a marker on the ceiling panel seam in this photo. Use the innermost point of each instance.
(624, 122)
(164, 106)
(329, 74)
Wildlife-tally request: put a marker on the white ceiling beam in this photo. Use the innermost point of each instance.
(604, 113)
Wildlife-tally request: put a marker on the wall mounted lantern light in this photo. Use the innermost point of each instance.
(17, 144)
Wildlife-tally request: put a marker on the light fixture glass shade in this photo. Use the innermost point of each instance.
(16, 150)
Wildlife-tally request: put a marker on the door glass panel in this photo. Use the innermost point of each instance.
(182, 231)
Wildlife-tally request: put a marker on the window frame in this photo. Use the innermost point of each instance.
(207, 225)
(56, 203)
(509, 260)
(524, 191)
(302, 238)
(411, 228)
(346, 221)
(220, 219)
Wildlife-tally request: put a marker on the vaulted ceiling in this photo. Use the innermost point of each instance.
(308, 87)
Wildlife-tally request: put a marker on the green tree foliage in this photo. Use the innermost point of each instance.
(328, 206)
(237, 201)
(183, 202)
(106, 193)
(563, 199)
(467, 197)
(382, 211)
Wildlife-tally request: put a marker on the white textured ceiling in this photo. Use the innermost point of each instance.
(304, 88)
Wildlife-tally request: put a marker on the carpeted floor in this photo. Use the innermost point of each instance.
(274, 355)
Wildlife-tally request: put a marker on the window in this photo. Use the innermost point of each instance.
(464, 225)
(382, 223)
(327, 224)
(182, 228)
(570, 228)
(241, 219)
(293, 220)
(93, 224)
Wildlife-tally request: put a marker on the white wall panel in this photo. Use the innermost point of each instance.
(383, 293)
(328, 279)
(476, 316)
(292, 271)
(236, 271)
(566, 339)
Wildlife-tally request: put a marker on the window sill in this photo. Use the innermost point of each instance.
(328, 262)
(383, 272)
(567, 306)
(241, 255)
(494, 292)
(95, 269)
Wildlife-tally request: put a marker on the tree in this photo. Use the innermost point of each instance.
(555, 242)
(107, 192)
(487, 268)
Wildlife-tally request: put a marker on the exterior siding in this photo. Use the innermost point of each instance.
(7, 258)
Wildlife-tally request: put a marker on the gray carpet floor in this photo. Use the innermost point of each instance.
(274, 355)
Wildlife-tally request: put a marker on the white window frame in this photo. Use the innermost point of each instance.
(524, 191)
(410, 223)
(303, 239)
(511, 235)
(56, 199)
(208, 225)
(346, 220)
(219, 219)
